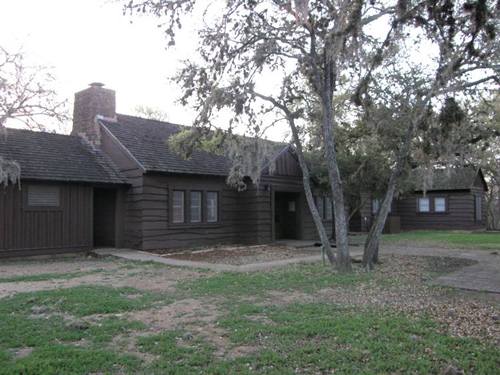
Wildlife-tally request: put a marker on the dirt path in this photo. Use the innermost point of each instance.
(75, 271)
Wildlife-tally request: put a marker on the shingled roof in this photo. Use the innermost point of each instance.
(147, 141)
(57, 157)
(456, 178)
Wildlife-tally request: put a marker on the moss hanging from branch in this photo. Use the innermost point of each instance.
(10, 172)
(247, 156)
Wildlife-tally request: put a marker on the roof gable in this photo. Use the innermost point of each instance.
(285, 163)
(454, 178)
(57, 157)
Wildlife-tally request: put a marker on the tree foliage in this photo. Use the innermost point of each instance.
(247, 156)
(26, 93)
(151, 113)
(331, 55)
(26, 97)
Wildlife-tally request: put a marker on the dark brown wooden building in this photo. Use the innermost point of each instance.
(52, 209)
(115, 182)
(454, 199)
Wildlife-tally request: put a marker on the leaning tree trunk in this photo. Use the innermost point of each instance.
(325, 241)
(370, 254)
(341, 226)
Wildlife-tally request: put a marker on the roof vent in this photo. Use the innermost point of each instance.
(96, 84)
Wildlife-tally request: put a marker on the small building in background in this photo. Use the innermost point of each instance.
(454, 198)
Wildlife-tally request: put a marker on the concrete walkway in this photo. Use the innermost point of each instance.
(483, 276)
(143, 256)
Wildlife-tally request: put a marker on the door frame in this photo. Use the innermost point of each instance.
(118, 214)
(298, 211)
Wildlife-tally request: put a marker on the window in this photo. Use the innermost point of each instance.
(375, 206)
(321, 208)
(328, 208)
(178, 207)
(195, 207)
(43, 196)
(423, 205)
(212, 206)
(478, 208)
(291, 206)
(440, 204)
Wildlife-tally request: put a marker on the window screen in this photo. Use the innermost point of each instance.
(423, 205)
(212, 207)
(43, 196)
(178, 206)
(439, 204)
(195, 203)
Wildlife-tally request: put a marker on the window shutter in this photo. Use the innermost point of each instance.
(478, 208)
(328, 208)
(43, 196)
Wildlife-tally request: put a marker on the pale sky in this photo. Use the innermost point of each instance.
(91, 40)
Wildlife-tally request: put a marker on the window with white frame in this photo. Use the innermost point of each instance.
(43, 196)
(424, 205)
(178, 206)
(439, 204)
(375, 206)
(328, 208)
(195, 206)
(212, 206)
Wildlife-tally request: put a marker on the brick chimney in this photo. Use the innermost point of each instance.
(89, 103)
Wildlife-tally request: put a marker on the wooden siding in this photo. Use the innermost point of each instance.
(35, 230)
(285, 164)
(244, 217)
(306, 227)
(158, 230)
(130, 201)
(460, 212)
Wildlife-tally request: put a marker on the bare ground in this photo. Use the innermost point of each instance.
(463, 314)
(241, 255)
(109, 272)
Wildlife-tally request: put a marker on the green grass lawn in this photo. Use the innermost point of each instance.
(458, 239)
(74, 330)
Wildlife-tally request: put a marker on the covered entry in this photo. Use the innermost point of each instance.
(286, 215)
(104, 217)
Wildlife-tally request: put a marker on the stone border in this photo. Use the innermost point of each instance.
(143, 256)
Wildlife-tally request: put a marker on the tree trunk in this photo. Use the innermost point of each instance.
(370, 254)
(325, 241)
(341, 226)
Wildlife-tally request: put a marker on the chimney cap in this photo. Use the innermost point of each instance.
(96, 84)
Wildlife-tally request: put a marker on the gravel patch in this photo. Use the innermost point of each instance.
(242, 255)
